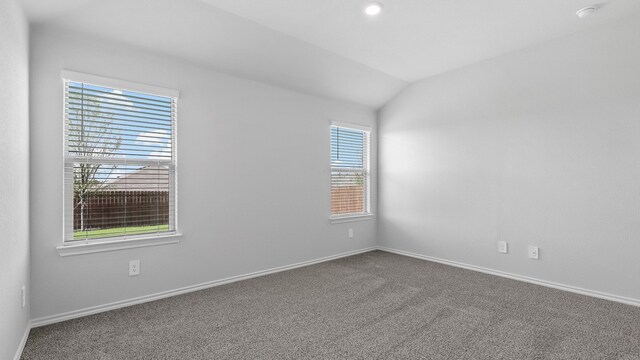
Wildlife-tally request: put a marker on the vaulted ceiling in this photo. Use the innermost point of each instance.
(328, 48)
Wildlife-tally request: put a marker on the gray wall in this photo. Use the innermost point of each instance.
(253, 178)
(539, 147)
(14, 176)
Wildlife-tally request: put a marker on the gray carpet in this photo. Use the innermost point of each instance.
(371, 306)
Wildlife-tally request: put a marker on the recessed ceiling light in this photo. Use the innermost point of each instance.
(584, 12)
(373, 9)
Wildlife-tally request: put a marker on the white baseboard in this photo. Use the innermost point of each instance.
(23, 342)
(142, 299)
(187, 289)
(573, 289)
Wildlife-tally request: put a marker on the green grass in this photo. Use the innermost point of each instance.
(131, 230)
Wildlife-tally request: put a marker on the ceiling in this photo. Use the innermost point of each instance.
(328, 48)
(415, 39)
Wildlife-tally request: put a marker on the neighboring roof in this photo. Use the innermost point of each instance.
(148, 178)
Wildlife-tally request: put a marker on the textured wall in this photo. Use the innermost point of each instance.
(538, 147)
(253, 178)
(14, 175)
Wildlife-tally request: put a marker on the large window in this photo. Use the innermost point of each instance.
(119, 159)
(349, 171)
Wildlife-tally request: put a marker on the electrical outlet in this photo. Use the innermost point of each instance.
(533, 252)
(350, 233)
(23, 296)
(503, 247)
(134, 267)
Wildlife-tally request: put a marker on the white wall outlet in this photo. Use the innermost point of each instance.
(134, 267)
(23, 296)
(503, 247)
(350, 233)
(533, 252)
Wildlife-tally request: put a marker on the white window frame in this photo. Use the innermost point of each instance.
(367, 214)
(86, 246)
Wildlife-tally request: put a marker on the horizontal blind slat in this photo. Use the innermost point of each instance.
(104, 112)
(349, 171)
(163, 106)
(107, 131)
(154, 98)
(120, 120)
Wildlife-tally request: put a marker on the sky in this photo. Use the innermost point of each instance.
(347, 147)
(140, 122)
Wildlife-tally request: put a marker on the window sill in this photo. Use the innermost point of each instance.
(95, 246)
(350, 218)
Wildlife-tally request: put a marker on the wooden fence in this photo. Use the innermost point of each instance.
(115, 209)
(347, 199)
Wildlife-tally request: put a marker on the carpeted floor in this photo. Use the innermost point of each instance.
(371, 306)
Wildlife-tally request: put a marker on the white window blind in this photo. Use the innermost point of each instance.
(120, 162)
(349, 171)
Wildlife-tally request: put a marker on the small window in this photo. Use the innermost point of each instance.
(349, 171)
(119, 159)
